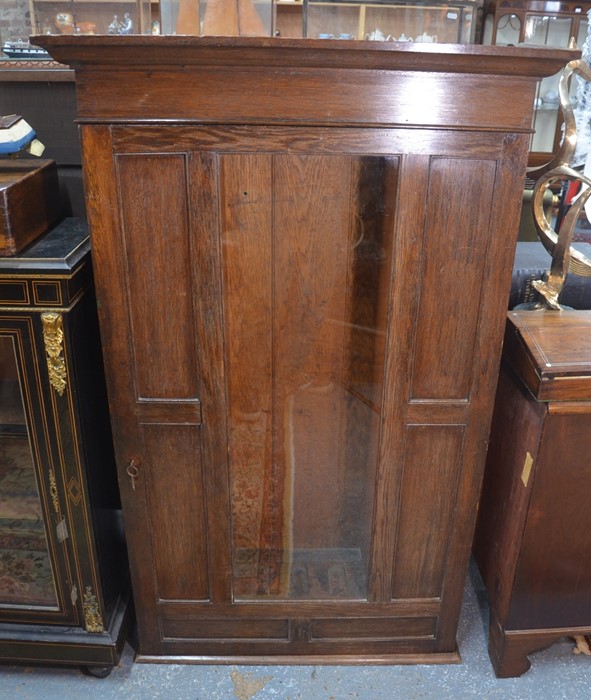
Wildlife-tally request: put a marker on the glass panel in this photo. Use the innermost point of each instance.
(306, 303)
(26, 577)
(582, 35)
(218, 17)
(547, 31)
(545, 119)
(326, 21)
(508, 30)
(416, 23)
(426, 22)
(91, 16)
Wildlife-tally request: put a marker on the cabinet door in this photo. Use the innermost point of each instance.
(294, 322)
(36, 581)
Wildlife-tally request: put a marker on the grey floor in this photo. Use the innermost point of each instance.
(556, 673)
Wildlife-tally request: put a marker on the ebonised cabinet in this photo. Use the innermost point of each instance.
(64, 590)
(303, 254)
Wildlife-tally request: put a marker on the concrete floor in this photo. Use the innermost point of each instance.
(556, 673)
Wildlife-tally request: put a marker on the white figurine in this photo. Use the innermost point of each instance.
(126, 25)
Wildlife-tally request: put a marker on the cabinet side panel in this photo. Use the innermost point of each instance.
(514, 443)
(154, 220)
(553, 576)
(427, 502)
(454, 261)
(177, 510)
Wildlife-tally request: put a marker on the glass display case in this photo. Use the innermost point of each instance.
(409, 20)
(218, 17)
(427, 22)
(92, 16)
(538, 23)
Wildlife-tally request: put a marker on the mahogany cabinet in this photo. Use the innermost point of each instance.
(302, 253)
(532, 540)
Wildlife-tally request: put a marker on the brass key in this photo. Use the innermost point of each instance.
(133, 472)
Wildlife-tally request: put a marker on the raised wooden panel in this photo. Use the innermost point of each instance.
(303, 140)
(454, 245)
(427, 503)
(373, 628)
(153, 204)
(174, 480)
(329, 98)
(252, 630)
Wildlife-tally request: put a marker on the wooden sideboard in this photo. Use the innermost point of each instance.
(532, 539)
(302, 253)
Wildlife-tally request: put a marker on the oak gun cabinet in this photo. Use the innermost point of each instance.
(302, 253)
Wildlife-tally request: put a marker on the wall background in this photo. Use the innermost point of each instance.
(15, 20)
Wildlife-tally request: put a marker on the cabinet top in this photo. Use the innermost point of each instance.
(58, 251)
(121, 53)
(551, 352)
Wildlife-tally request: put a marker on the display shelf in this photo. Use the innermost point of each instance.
(428, 22)
(91, 16)
(538, 23)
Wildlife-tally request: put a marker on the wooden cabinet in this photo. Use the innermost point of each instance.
(302, 256)
(532, 540)
(64, 591)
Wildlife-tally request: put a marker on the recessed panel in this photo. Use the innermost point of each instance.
(154, 219)
(454, 249)
(427, 502)
(174, 479)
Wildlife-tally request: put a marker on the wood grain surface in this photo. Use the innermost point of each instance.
(317, 244)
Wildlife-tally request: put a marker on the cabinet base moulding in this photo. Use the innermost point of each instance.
(510, 649)
(40, 644)
(302, 660)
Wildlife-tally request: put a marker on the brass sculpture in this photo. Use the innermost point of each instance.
(558, 244)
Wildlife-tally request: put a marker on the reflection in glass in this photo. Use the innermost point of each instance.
(217, 17)
(26, 578)
(305, 377)
(582, 34)
(547, 31)
(435, 22)
(77, 17)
